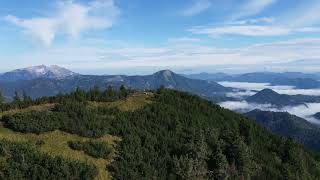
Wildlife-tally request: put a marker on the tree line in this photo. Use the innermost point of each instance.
(22, 100)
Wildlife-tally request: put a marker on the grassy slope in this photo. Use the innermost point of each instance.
(132, 103)
(55, 143)
(42, 107)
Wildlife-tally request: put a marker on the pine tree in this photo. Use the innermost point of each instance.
(16, 97)
(110, 93)
(219, 164)
(79, 95)
(2, 98)
(26, 98)
(123, 92)
(95, 93)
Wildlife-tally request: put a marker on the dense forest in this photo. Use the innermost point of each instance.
(287, 125)
(22, 161)
(176, 136)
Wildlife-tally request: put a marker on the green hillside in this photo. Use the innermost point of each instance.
(289, 125)
(130, 135)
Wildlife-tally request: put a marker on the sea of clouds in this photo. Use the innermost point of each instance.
(248, 89)
(304, 111)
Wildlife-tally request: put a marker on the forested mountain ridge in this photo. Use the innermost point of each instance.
(317, 116)
(268, 96)
(288, 125)
(171, 135)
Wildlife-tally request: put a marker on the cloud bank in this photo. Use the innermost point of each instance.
(251, 88)
(254, 86)
(303, 111)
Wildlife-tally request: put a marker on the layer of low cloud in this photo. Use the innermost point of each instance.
(254, 86)
(70, 18)
(244, 106)
(240, 94)
(304, 111)
(251, 88)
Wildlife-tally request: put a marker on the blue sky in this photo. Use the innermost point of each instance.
(142, 36)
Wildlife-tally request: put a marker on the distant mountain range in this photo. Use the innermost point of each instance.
(48, 81)
(49, 72)
(43, 80)
(297, 79)
(268, 96)
(210, 76)
(288, 125)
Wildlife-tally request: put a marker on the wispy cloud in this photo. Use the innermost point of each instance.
(175, 56)
(70, 18)
(306, 15)
(252, 7)
(253, 21)
(183, 40)
(197, 7)
(251, 30)
(246, 22)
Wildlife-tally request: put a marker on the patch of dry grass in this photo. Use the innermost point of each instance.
(132, 103)
(56, 144)
(42, 107)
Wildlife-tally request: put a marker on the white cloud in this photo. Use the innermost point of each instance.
(198, 7)
(244, 106)
(240, 94)
(174, 56)
(306, 15)
(303, 111)
(250, 30)
(305, 19)
(253, 21)
(254, 86)
(250, 89)
(183, 40)
(308, 92)
(252, 7)
(70, 19)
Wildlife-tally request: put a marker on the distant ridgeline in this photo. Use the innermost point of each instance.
(163, 134)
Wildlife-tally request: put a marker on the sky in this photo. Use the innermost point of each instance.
(143, 36)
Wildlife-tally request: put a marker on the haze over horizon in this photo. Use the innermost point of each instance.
(126, 37)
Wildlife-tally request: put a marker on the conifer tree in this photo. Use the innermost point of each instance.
(2, 98)
(16, 97)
